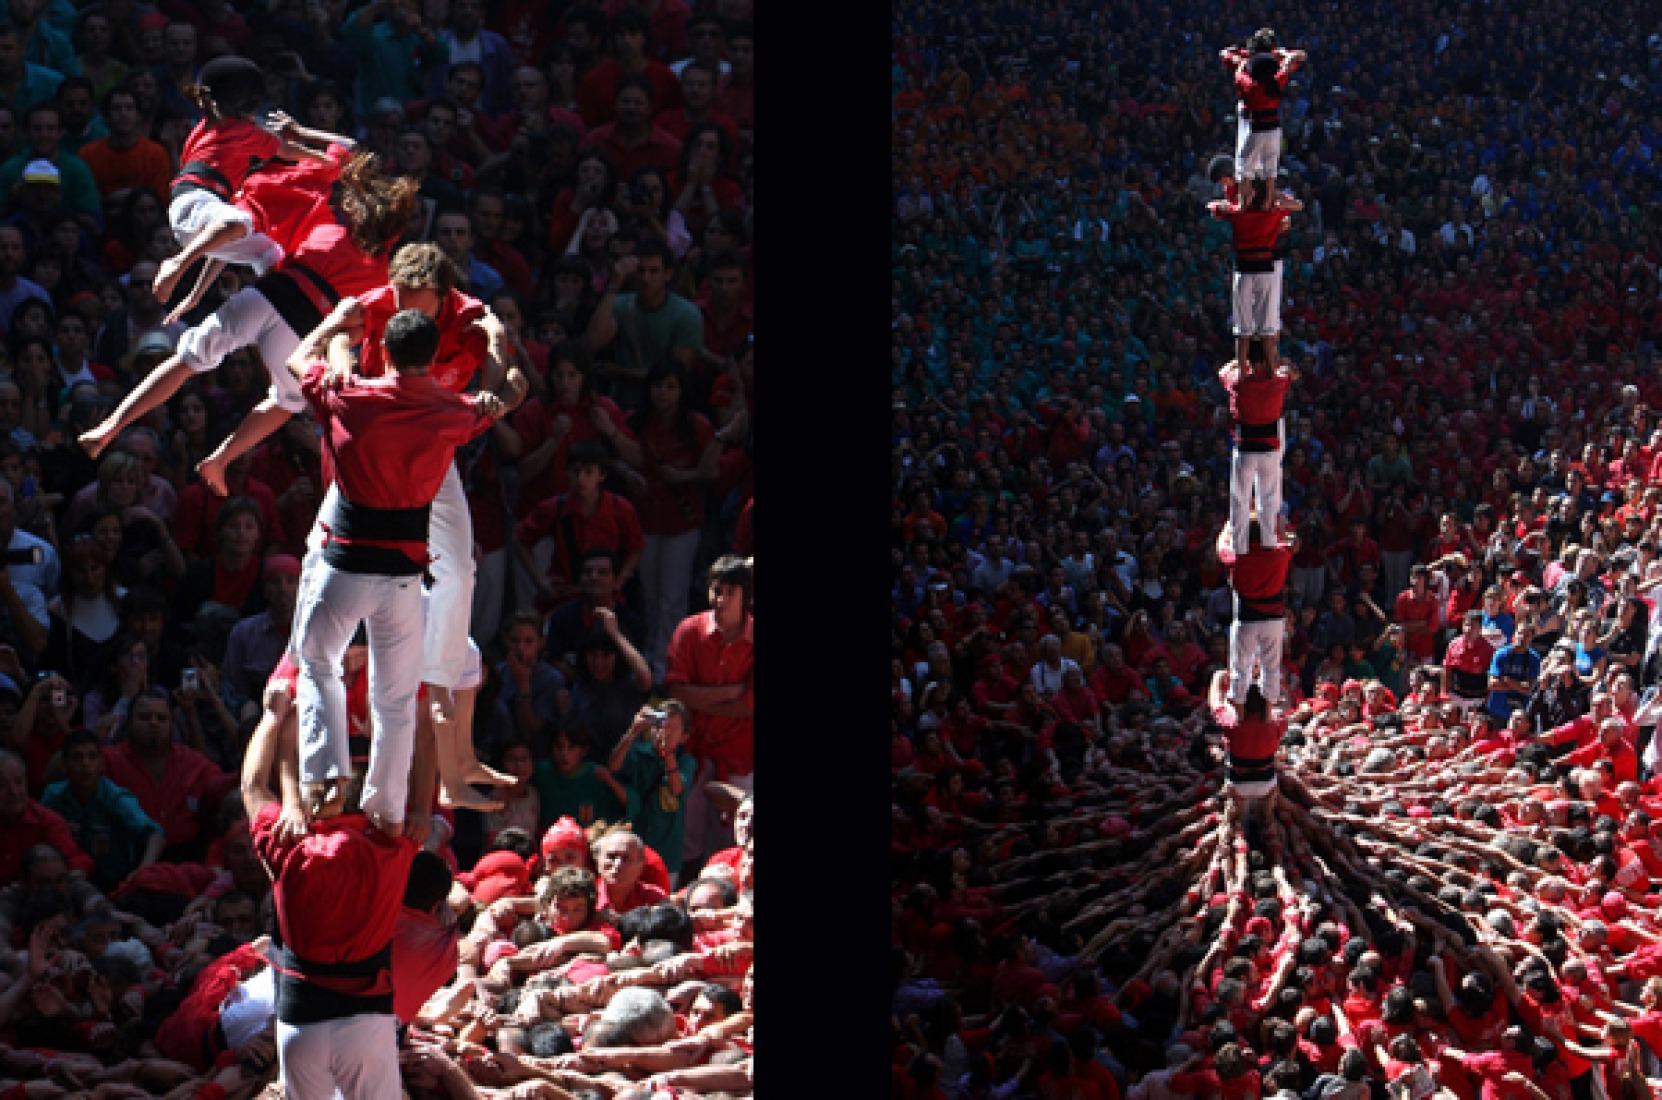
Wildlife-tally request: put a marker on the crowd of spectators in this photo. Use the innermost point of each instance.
(589, 170)
(1453, 889)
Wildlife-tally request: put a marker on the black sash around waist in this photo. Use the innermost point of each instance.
(1258, 438)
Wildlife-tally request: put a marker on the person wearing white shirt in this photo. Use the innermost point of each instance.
(28, 579)
(1051, 666)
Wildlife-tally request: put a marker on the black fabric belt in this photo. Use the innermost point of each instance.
(1259, 262)
(290, 302)
(319, 283)
(380, 561)
(1258, 438)
(1265, 114)
(300, 1002)
(207, 176)
(353, 521)
(1251, 769)
(1251, 610)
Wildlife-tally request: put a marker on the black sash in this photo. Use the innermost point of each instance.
(1258, 438)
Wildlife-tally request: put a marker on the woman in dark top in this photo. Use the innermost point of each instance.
(85, 616)
(233, 575)
(1625, 639)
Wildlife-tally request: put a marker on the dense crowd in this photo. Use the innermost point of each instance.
(581, 922)
(1450, 888)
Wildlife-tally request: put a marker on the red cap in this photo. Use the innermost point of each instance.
(499, 875)
(564, 833)
(1614, 905)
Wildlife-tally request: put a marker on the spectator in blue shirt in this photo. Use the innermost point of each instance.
(1513, 671)
(105, 819)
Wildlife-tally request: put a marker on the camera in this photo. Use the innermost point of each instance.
(189, 680)
(656, 716)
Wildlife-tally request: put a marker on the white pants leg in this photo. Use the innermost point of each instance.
(666, 579)
(1257, 302)
(489, 590)
(450, 544)
(1268, 639)
(197, 212)
(1243, 143)
(392, 608)
(246, 318)
(705, 833)
(1260, 473)
(1253, 644)
(355, 1058)
(1257, 154)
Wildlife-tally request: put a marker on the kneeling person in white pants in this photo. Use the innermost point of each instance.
(391, 442)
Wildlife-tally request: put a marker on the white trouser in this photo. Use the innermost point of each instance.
(1246, 472)
(247, 317)
(489, 590)
(450, 546)
(666, 579)
(355, 1058)
(333, 606)
(1255, 644)
(1257, 153)
(705, 832)
(201, 211)
(1257, 302)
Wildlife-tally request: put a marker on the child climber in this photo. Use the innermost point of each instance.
(218, 155)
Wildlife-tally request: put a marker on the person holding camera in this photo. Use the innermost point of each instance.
(650, 762)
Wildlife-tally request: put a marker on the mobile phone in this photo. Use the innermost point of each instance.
(189, 680)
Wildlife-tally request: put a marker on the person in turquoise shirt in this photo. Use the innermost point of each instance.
(397, 51)
(104, 818)
(571, 785)
(44, 134)
(23, 83)
(658, 774)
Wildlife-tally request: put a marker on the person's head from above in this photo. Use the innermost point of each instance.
(454, 233)
(620, 858)
(570, 749)
(411, 341)
(421, 276)
(570, 895)
(1255, 707)
(150, 723)
(731, 591)
(427, 889)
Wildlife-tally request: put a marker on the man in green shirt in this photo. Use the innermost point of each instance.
(105, 819)
(571, 785)
(44, 136)
(22, 83)
(643, 327)
(396, 50)
(658, 773)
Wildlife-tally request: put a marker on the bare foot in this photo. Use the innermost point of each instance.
(168, 273)
(460, 796)
(442, 702)
(483, 773)
(212, 471)
(96, 440)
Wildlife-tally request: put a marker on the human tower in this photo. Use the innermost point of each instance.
(1254, 546)
(381, 346)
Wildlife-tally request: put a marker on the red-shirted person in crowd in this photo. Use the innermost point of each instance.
(1256, 395)
(25, 823)
(710, 659)
(1416, 609)
(587, 518)
(338, 885)
(620, 858)
(1258, 224)
(1466, 663)
(424, 942)
(1259, 580)
(390, 442)
(178, 787)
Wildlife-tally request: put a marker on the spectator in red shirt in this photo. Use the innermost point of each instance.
(597, 90)
(1416, 610)
(1466, 663)
(630, 139)
(620, 858)
(587, 518)
(25, 823)
(178, 787)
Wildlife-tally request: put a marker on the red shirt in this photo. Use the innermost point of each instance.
(390, 441)
(234, 147)
(1256, 231)
(424, 957)
(672, 509)
(1408, 609)
(1254, 398)
(190, 787)
(339, 893)
(198, 513)
(38, 825)
(329, 251)
(290, 199)
(699, 655)
(613, 525)
(463, 346)
(644, 893)
(657, 150)
(534, 423)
